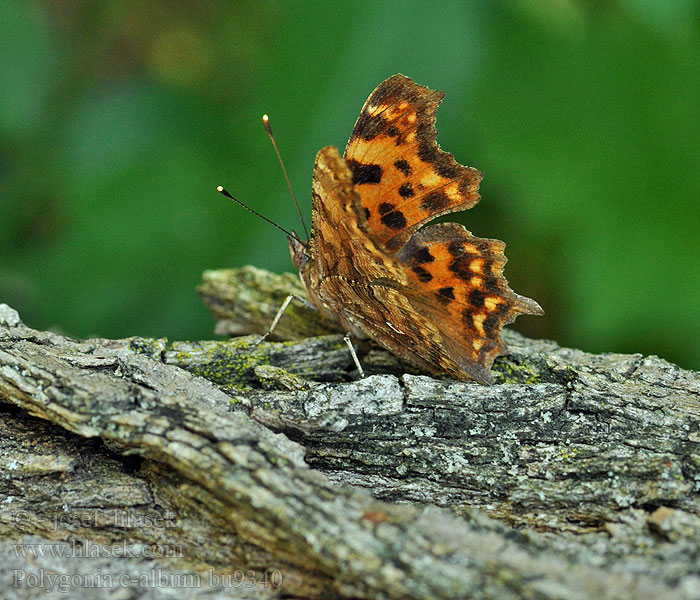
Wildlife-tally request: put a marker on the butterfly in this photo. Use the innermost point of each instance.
(434, 296)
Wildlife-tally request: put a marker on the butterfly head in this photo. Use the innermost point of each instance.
(299, 252)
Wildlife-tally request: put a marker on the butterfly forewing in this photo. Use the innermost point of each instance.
(402, 176)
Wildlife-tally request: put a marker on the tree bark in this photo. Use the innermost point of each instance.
(575, 476)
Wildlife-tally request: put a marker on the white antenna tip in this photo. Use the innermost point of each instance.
(266, 125)
(219, 188)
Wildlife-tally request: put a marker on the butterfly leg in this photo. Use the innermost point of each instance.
(356, 360)
(279, 314)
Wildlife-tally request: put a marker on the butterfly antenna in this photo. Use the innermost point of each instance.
(266, 123)
(222, 190)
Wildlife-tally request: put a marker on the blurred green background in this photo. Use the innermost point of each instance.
(118, 120)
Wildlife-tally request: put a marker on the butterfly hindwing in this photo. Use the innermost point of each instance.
(456, 280)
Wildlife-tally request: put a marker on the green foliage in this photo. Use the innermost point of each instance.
(118, 120)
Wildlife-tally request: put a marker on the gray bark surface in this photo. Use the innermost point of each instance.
(576, 476)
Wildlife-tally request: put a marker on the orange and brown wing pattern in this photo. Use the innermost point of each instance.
(340, 243)
(402, 176)
(435, 297)
(457, 282)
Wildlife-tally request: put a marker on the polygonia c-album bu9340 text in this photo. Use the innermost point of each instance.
(436, 297)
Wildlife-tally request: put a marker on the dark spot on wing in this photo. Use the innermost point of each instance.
(365, 173)
(423, 275)
(394, 220)
(422, 256)
(385, 207)
(476, 298)
(406, 190)
(445, 295)
(403, 166)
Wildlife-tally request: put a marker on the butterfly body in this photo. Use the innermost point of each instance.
(436, 296)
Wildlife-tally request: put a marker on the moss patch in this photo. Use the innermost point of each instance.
(506, 370)
(229, 364)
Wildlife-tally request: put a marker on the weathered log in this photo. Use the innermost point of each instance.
(590, 462)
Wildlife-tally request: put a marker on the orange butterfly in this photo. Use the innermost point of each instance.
(435, 297)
